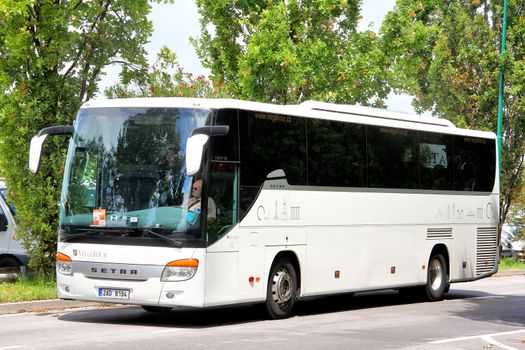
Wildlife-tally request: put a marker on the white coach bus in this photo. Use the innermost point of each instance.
(297, 201)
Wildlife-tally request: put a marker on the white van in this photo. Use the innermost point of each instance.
(12, 254)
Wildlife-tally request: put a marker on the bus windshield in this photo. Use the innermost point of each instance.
(125, 173)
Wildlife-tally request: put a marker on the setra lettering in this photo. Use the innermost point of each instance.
(112, 271)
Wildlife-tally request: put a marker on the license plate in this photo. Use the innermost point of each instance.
(111, 293)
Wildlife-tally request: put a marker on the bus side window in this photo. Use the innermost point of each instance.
(435, 161)
(392, 158)
(269, 142)
(336, 154)
(247, 197)
(474, 164)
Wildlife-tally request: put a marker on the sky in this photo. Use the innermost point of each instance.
(174, 24)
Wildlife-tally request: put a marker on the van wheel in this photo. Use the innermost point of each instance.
(9, 262)
(156, 309)
(282, 290)
(437, 278)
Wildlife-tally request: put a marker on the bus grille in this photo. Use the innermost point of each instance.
(439, 233)
(486, 250)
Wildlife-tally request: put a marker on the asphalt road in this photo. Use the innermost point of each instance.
(486, 314)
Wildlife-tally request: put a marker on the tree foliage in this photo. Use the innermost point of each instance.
(51, 58)
(446, 54)
(167, 78)
(291, 51)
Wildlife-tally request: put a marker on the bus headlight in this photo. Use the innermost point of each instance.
(179, 270)
(64, 264)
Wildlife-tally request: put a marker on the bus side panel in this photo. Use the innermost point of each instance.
(337, 259)
(463, 252)
(392, 256)
(221, 286)
(362, 258)
(241, 276)
(372, 240)
(259, 248)
(251, 277)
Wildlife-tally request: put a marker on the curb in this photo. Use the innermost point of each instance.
(509, 273)
(44, 306)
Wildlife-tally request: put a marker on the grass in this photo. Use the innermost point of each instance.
(510, 264)
(27, 288)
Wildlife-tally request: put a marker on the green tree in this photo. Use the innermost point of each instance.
(51, 58)
(291, 51)
(166, 78)
(446, 54)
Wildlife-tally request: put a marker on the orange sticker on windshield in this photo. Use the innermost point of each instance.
(99, 217)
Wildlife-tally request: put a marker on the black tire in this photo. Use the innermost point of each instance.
(9, 262)
(437, 278)
(281, 291)
(156, 309)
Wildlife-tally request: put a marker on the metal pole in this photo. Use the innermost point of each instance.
(501, 82)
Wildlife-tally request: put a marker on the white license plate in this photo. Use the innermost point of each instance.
(111, 293)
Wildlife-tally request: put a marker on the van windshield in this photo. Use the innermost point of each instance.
(125, 172)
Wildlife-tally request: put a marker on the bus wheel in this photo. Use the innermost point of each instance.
(156, 309)
(437, 278)
(282, 290)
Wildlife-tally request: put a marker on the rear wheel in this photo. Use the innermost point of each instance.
(282, 290)
(437, 278)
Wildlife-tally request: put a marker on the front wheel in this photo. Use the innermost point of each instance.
(281, 291)
(437, 278)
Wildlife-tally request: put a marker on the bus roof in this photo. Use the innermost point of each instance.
(309, 109)
(374, 113)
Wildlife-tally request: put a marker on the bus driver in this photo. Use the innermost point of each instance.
(194, 202)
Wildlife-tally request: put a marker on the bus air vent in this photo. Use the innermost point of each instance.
(486, 250)
(439, 233)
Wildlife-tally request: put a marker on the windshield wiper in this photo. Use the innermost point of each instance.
(86, 233)
(175, 243)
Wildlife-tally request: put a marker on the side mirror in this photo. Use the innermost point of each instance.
(35, 150)
(195, 145)
(194, 151)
